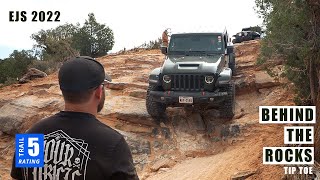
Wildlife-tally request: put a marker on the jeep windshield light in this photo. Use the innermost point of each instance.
(195, 44)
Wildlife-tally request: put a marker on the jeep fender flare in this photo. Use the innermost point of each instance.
(225, 76)
(154, 77)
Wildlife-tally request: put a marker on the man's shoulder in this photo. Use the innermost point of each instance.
(104, 136)
(43, 123)
(107, 130)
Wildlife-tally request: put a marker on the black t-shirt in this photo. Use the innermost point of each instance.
(78, 146)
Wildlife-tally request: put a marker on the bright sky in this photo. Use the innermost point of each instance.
(132, 21)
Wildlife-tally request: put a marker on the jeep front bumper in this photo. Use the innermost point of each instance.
(172, 97)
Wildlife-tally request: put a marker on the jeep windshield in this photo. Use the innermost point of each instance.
(195, 44)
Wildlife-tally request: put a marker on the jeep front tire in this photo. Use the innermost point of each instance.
(227, 109)
(155, 109)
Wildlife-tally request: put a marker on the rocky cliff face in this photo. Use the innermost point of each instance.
(156, 148)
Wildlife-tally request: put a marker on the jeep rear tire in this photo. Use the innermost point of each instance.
(227, 109)
(155, 109)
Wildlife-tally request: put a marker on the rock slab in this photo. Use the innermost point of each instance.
(32, 73)
(264, 80)
(15, 113)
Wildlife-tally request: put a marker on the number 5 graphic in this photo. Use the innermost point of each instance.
(33, 146)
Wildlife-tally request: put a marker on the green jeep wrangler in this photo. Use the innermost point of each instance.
(196, 72)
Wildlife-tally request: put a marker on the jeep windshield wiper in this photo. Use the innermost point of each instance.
(211, 54)
(202, 52)
(196, 53)
(178, 52)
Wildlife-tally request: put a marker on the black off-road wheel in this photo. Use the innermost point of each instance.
(155, 109)
(227, 108)
(232, 64)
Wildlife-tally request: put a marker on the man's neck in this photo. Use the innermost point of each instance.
(80, 108)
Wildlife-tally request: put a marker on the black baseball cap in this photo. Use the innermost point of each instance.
(82, 73)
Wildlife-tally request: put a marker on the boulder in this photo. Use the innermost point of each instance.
(15, 114)
(4, 145)
(211, 115)
(242, 175)
(44, 85)
(127, 108)
(264, 80)
(139, 147)
(230, 130)
(137, 93)
(246, 65)
(41, 92)
(160, 132)
(162, 163)
(116, 86)
(244, 85)
(137, 144)
(11, 121)
(55, 90)
(196, 122)
(139, 85)
(35, 102)
(32, 73)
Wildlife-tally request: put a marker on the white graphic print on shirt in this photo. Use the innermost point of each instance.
(64, 157)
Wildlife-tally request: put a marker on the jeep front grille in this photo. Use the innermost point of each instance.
(187, 82)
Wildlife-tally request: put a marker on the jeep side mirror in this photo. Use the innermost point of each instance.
(164, 49)
(230, 49)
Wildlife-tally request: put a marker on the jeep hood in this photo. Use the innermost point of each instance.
(193, 64)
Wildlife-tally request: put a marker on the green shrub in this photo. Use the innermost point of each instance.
(10, 81)
(15, 66)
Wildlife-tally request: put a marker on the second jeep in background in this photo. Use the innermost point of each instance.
(196, 72)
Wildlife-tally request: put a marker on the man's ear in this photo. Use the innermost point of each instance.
(98, 92)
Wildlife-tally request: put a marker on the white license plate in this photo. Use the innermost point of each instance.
(185, 100)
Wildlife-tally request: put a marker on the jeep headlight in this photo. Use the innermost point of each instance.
(166, 78)
(209, 79)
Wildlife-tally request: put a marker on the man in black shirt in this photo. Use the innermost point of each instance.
(77, 145)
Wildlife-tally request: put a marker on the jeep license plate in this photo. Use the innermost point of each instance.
(185, 100)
